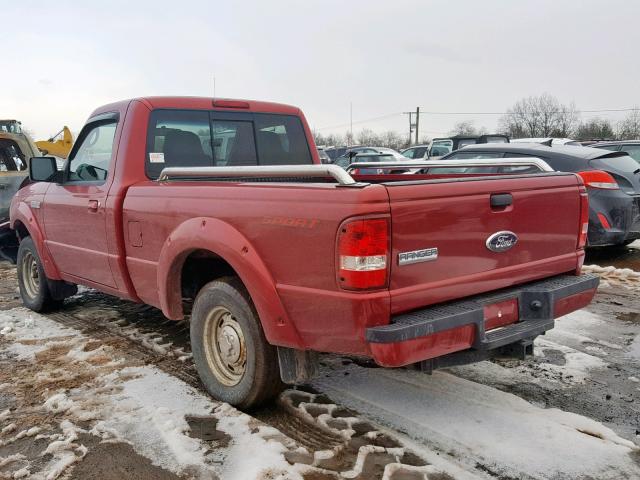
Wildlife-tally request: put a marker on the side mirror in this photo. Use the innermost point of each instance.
(43, 169)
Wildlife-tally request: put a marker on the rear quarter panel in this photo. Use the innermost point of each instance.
(290, 228)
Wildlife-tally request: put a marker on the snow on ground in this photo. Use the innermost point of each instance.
(612, 276)
(74, 386)
(482, 426)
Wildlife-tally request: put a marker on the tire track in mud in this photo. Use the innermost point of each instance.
(322, 440)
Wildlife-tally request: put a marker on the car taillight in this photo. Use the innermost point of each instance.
(603, 220)
(584, 218)
(599, 179)
(362, 251)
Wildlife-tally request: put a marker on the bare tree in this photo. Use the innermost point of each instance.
(329, 140)
(595, 129)
(392, 139)
(567, 120)
(629, 128)
(367, 137)
(542, 116)
(466, 127)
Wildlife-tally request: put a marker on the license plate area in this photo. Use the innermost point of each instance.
(500, 314)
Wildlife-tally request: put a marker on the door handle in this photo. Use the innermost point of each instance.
(94, 205)
(500, 200)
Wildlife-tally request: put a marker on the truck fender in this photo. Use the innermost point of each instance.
(23, 214)
(223, 240)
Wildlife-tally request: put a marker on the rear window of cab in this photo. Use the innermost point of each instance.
(199, 138)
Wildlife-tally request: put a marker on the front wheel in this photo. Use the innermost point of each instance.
(231, 353)
(33, 283)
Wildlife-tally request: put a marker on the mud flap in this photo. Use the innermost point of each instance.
(297, 366)
(60, 289)
(8, 243)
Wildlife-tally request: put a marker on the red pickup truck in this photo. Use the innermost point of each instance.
(221, 211)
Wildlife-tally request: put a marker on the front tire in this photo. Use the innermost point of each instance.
(33, 282)
(231, 353)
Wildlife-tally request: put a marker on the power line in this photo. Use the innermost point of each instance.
(422, 112)
(522, 113)
(366, 120)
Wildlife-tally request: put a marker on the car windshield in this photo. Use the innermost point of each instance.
(496, 139)
(440, 148)
(10, 126)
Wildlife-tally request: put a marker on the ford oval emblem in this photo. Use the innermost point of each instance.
(501, 241)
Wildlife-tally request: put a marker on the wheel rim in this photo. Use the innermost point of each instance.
(30, 275)
(225, 347)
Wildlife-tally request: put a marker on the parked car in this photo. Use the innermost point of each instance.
(443, 146)
(16, 149)
(390, 151)
(224, 203)
(345, 158)
(632, 147)
(324, 158)
(612, 180)
(371, 158)
(549, 141)
(416, 152)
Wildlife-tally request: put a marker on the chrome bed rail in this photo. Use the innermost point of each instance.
(484, 162)
(258, 171)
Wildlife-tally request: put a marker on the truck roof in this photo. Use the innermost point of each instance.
(203, 103)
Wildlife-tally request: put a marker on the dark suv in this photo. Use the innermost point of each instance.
(632, 147)
(612, 180)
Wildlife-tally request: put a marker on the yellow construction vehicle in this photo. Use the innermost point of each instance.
(58, 148)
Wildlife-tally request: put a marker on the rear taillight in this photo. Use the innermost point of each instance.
(362, 253)
(603, 220)
(584, 218)
(599, 179)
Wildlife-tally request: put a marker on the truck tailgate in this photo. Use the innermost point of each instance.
(456, 217)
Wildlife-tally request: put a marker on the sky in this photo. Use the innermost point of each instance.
(63, 59)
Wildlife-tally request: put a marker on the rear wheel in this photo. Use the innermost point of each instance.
(33, 283)
(231, 353)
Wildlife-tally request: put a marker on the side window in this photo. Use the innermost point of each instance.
(519, 169)
(474, 155)
(615, 148)
(281, 140)
(178, 138)
(233, 143)
(465, 142)
(90, 162)
(420, 152)
(409, 153)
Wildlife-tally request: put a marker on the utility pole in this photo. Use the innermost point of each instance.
(415, 125)
(350, 123)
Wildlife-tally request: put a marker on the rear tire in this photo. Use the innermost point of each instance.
(231, 353)
(32, 280)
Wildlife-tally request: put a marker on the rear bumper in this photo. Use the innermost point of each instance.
(621, 211)
(441, 330)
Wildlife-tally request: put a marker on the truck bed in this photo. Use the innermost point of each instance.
(291, 227)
